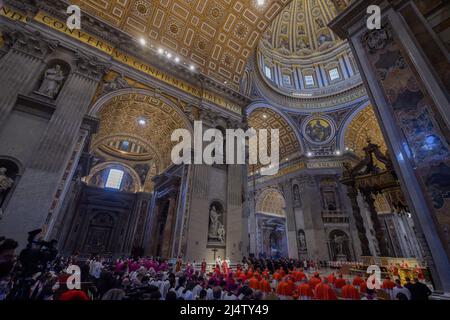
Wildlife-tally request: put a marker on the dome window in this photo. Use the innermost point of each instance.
(268, 72)
(309, 80)
(287, 80)
(334, 74)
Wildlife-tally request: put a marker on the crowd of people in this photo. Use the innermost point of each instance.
(157, 279)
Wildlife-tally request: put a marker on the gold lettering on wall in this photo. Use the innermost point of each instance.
(13, 15)
(44, 18)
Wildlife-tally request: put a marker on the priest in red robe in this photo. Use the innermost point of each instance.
(349, 292)
(305, 291)
(324, 291)
(315, 280)
(340, 282)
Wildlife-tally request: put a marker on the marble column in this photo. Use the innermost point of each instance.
(291, 224)
(379, 234)
(29, 206)
(136, 232)
(169, 227)
(399, 67)
(316, 237)
(359, 222)
(150, 224)
(234, 243)
(21, 66)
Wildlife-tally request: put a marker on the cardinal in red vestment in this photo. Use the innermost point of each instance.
(349, 292)
(388, 284)
(331, 278)
(203, 269)
(340, 282)
(315, 280)
(253, 283)
(305, 291)
(264, 285)
(357, 281)
(323, 291)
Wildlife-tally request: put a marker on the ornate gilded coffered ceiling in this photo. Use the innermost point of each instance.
(365, 125)
(271, 201)
(301, 29)
(264, 118)
(140, 119)
(217, 36)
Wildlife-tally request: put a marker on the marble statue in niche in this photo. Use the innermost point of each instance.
(216, 230)
(330, 200)
(53, 80)
(339, 241)
(5, 184)
(296, 192)
(302, 241)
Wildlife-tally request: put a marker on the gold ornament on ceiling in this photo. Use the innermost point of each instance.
(301, 29)
(271, 201)
(217, 36)
(140, 118)
(264, 118)
(363, 127)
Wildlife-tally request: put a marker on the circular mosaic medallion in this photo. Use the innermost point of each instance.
(319, 130)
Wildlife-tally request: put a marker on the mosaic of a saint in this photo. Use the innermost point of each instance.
(318, 130)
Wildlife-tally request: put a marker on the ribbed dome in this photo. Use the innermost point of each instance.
(301, 29)
(300, 57)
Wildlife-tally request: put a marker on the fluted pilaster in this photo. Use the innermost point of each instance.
(21, 65)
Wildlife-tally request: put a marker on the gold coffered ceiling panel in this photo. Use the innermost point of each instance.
(364, 126)
(218, 36)
(264, 118)
(121, 117)
(301, 30)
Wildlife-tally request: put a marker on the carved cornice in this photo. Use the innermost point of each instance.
(356, 14)
(332, 101)
(125, 43)
(25, 6)
(26, 41)
(91, 66)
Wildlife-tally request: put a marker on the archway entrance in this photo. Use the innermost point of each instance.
(271, 232)
(128, 201)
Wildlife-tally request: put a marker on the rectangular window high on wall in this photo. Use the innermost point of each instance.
(114, 179)
(287, 80)
(268, 72)
(309, 80)
(334, 74)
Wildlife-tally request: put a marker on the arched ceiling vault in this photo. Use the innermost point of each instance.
(271, 201)
(265, 118)
(141, 117)
(301, 30)
(216, 35)
(363, 126)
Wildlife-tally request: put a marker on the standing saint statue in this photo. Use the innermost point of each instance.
(216, 230)
(339, 241)
(5, 184)
(221, 233)
(52, 82)
(214, 221)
